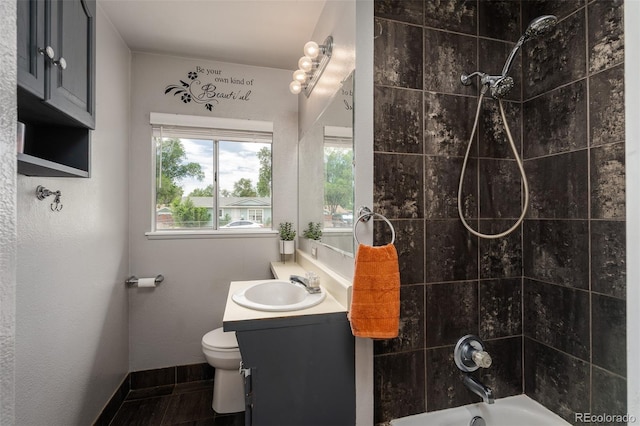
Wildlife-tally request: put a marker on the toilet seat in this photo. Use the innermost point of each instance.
(220, 340)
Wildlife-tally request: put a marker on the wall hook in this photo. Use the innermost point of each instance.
(42, 193)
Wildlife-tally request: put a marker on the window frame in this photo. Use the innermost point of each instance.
(215, 129)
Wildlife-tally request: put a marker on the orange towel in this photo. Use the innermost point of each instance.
(375, 300)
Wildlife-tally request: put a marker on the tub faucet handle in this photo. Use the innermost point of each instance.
(469, 354)
(482, 359)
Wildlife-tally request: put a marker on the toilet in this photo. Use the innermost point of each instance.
(221, 350)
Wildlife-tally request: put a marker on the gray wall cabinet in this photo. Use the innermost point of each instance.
(56, 85)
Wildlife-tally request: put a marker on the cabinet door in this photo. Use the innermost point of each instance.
(71, 88)
(31, 39)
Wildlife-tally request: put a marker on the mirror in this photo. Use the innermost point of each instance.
(326, 172)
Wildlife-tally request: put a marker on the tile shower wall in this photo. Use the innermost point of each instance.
(574, 235)
(567, 260)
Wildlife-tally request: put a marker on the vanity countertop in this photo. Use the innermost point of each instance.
(237, 317)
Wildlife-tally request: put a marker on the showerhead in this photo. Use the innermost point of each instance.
(501, 86)
(540, 25)
(537, 27)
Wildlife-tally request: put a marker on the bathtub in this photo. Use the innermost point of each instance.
(517, 410)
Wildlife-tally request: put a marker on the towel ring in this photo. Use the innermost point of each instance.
(365, 215)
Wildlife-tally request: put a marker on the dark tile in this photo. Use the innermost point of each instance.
(504, 377)
(606, 34)
(556, 122)
(152, 378)
(397, 54)
(191, 406)
(110, 411)
(500, 308)
(447, 56)
(608, 182)
(608, 258)
(558, 381)
(558, 57)
(397, 120)
(444, 381)
(499, 19)
(448, 121)
(558, 186)
(609, 316)
(142, 412)
(606, 109)
(452, 312)
(411, 334)
(399, 385)
(557, 316)
(492, 135)
(452, 252)
(398, 185)
(193, 386)
(500, 257)
(409, 246)
(453, 15)
(212, 421)
(531, 9)
(236, 419)
(491, 60)
(442, 177)
(609, 394)
(557, 251)
(194, 372)
(150, 392)
(409, 11)
(500, 189)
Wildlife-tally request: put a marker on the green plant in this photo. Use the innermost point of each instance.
(313, 231)
(287, 233)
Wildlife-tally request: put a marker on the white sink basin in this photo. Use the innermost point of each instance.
(278, 296)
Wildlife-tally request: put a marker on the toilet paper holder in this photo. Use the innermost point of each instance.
(132, 281)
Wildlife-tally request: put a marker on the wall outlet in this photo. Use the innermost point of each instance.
(314, 252)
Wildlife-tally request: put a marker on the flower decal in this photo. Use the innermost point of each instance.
(192, 89)
(186, 98)
(192, 75)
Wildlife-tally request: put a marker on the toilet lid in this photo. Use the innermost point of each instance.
(219, 338)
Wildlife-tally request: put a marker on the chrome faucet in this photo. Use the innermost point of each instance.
(469, 355)
(478, 388)
(311, 283)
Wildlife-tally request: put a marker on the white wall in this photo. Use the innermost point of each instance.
(71, 338)
(7, 209)
(167, 323)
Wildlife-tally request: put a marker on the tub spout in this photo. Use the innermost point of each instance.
(479, 389)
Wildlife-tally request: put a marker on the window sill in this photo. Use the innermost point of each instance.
(184, 235)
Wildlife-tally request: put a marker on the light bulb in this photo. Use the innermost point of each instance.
(300, 76)
(305, 63)
(295, 87)
(311, 49)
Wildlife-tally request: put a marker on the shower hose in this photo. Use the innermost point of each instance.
(520, 167)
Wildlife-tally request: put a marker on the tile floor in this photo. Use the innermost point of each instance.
(180, 404)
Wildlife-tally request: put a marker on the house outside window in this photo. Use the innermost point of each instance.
(210, 178)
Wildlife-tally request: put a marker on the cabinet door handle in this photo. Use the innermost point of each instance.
(60, 63)
(47, 51)
(50, 53)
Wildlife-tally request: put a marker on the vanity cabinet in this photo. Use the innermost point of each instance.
(56, 85)
(301, 370)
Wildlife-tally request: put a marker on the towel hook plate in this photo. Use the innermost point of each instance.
(364, 215)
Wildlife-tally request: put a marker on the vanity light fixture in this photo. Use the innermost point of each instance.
(311, 65)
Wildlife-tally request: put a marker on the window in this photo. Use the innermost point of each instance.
(256, 215)
(211, 178)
